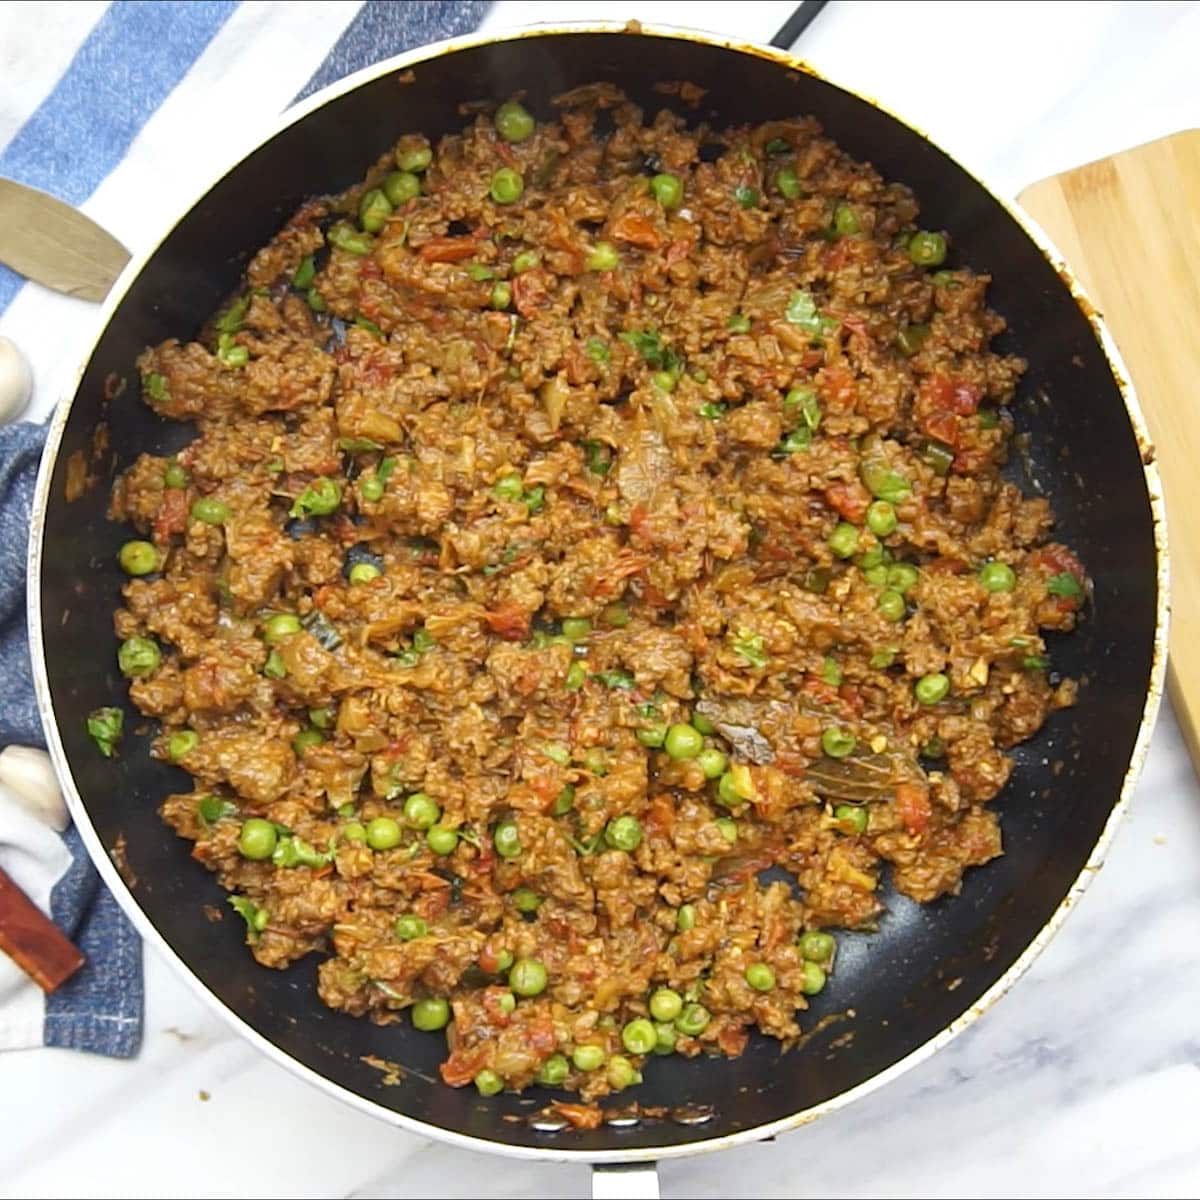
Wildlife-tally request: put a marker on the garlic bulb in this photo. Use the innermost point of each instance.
(30, 779)
(16, 381)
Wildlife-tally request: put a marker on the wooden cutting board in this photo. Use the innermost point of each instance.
(1129, 225)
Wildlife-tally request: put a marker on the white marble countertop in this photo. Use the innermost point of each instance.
(1084, 1080)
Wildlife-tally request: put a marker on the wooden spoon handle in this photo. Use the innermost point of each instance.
(33, 941)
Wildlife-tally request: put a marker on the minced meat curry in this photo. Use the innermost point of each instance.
(585, 516)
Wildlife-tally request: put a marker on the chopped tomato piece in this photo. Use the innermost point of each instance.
(637, 230)
(172, 514)
(463, 1065)
(912, 803)
(581, 1116)
(941, 425)
(838, 390)
(448, 249)
(529, 292)
(732, 1039)
(849, 500)
(509, 622)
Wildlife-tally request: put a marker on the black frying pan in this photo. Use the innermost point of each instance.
(929, 970)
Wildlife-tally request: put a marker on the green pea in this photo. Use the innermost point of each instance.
(663, 380)
(668, 190)
(488, 1083)
(410, 926)
(213, 808)
(727, 792)
(939, 456)
(400, 187)
(175, 476)
(414, 157)
(321, 718)
(652, 736)
(997, 577)
(683, 741)
(930, 689)
(902, 577)
(526, 261)
(509, 487)
(371, 488)
(814, 979)
(747, 197)
(315, 300)
(685, 918)
(354, 831)
(564, 801)
(739, 323)
(883, 483)
(558, 753)
(421, 811)
(374, 210)
(575, 629)
(788, 183)
(501, 296)
(553, 1071)
(851, 819)
(603, 257)
(693, 1020)
(891, 606)
(344, 236)
(504, 960)
(837, 743)
(257, 839)
(989, 418)
(712, 762)
(727, 827)
(639, 1036)
(595, 761)
(843, 541)
(624, 833)
(305, 740)
(383, 833)
(431, 1015)
(927, 249)
(138, 656)
(181, 743)
(138, 558)
(881, 518)
(514, 122)
(817, 946)
(210, 512)
(507, 839)
(588, 1057)
(526, 900)
(363, 572)
(665, 1004)
(576, 676)
(621, 1072)
(527, 977)
(760, 977)
(319, 499)
(666, 1035)
(507, 186)
(845, 221)
(440, 839)
(615, 616)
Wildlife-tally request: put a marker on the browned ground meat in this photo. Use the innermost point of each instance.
(603, 465)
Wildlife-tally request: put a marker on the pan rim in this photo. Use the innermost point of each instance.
(559, 1153)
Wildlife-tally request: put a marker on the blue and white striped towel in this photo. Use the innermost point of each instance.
(127, 110)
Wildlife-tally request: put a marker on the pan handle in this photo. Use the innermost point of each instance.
(625, 1181)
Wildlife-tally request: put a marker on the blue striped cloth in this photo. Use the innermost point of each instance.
(142, 83)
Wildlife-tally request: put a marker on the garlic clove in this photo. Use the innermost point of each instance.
(30, 779)
(16, 381)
